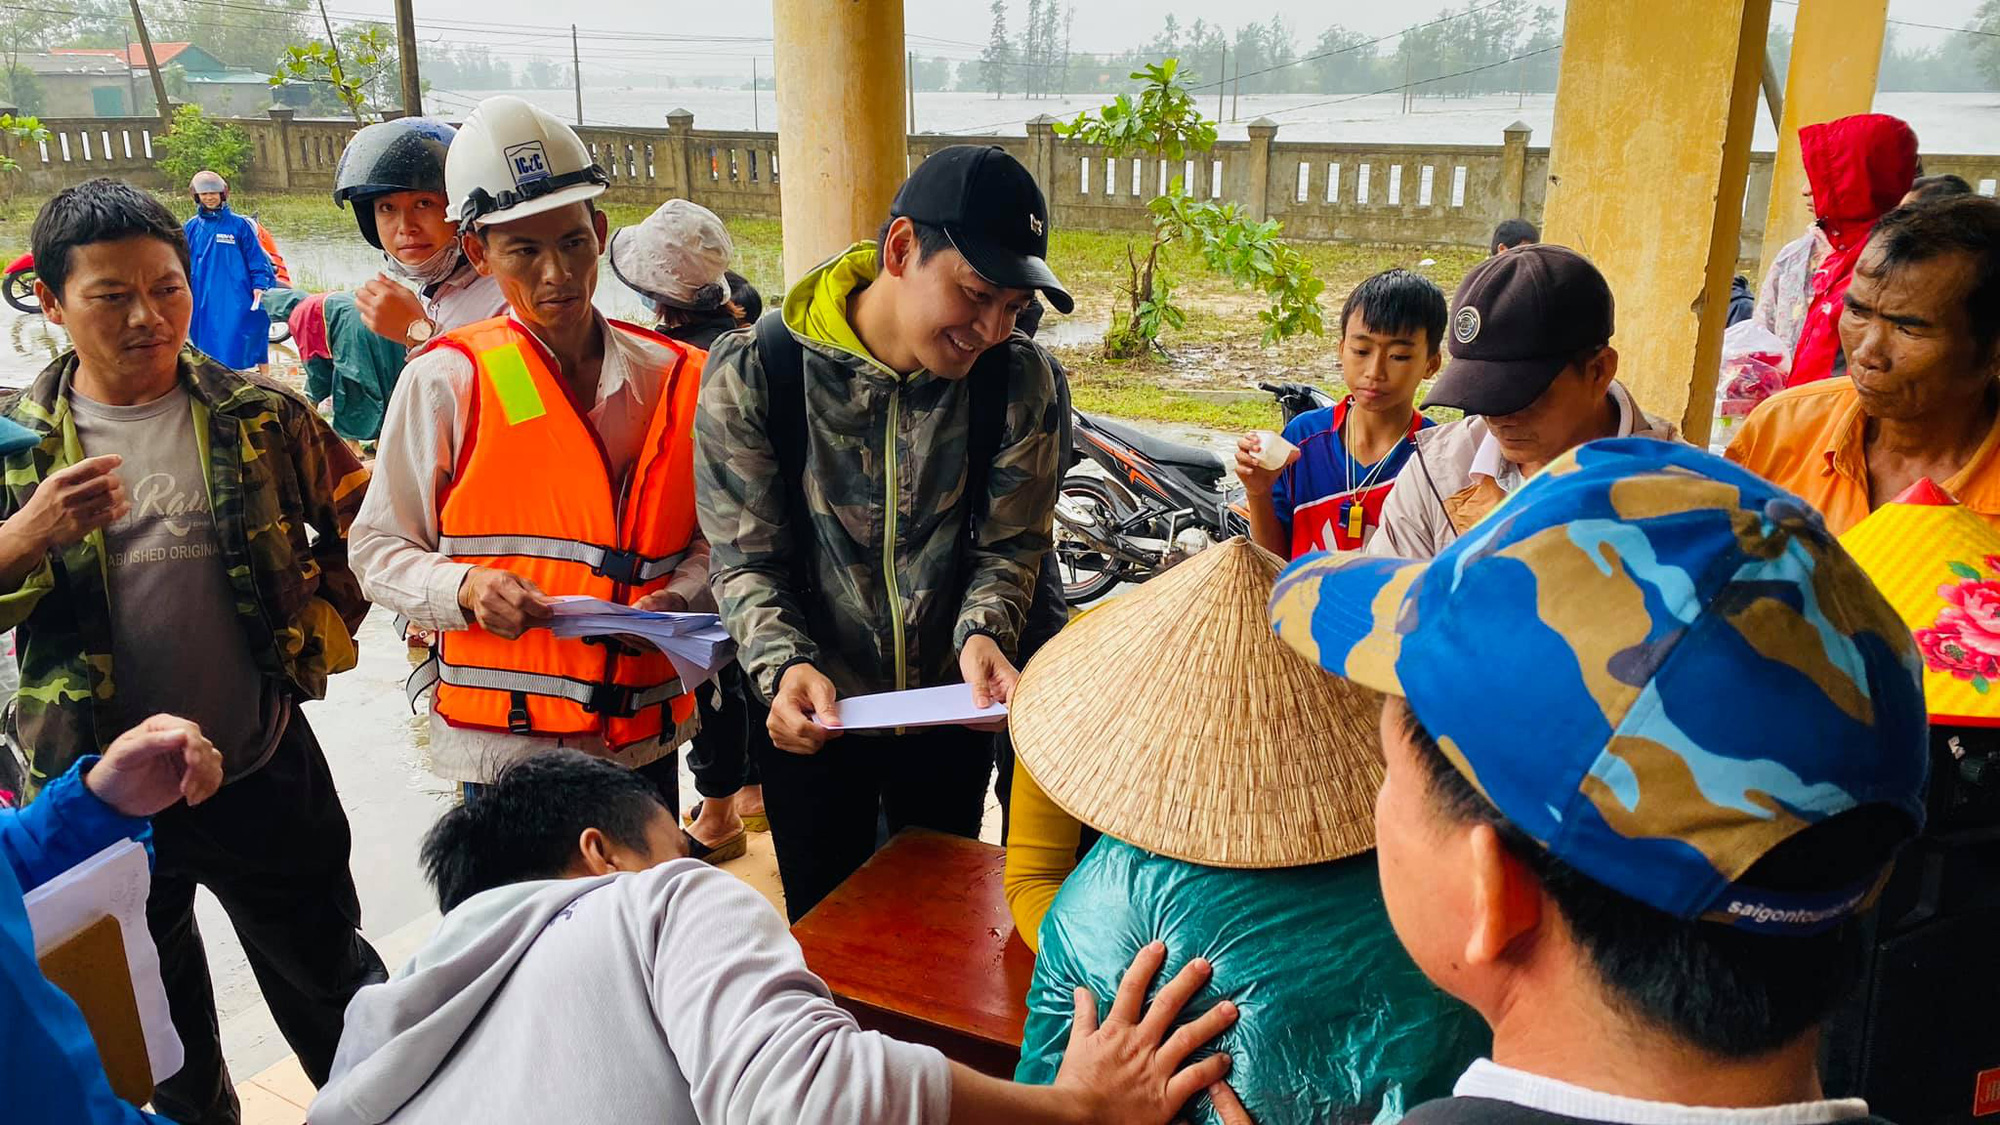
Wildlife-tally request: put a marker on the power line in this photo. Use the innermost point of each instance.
(1557, 46)
(1925, 26)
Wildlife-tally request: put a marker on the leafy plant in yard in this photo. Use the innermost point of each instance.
(1165, 124)
(196, 141)
(24, 130)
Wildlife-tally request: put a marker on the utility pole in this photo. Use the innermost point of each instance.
(1406, 82)
(1236, 89)
(910, 86)
(576, 72)
(1221, 79)
(755, 125)
(1521, 83)
(153, 68)
(406, 53)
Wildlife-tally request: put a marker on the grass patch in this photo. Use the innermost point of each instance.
(1136, 389)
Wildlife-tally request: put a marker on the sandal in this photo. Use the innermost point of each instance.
(753, 822)
(736, 847)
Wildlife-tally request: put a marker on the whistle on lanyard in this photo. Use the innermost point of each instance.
(1352, 518)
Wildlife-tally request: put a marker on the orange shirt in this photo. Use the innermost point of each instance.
(1809, 440)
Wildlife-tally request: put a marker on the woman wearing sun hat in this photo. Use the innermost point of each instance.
(1235, 794)
(678, 261)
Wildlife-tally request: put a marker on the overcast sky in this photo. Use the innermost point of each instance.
(950, 27)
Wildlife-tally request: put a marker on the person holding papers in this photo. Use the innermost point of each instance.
(50, 1068)
(539, 455)
(877, 468)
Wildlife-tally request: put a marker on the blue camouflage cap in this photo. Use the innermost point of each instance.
(1655, 663)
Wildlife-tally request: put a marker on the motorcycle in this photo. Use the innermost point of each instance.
(1153, 502)
(18, 287)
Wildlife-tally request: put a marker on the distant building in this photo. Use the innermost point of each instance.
(212, 84)
(84, 86)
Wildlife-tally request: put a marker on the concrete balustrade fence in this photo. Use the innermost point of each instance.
(1425, 195)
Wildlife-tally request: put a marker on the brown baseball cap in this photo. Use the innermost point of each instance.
(1518, 320)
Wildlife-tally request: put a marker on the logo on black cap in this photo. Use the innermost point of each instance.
(1035, 224)
(1465, 326)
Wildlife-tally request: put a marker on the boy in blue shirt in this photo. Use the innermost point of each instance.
(1328, 496)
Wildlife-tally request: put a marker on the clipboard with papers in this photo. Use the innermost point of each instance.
(92, 942)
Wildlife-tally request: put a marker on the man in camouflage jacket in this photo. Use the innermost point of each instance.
(275, 470)
(177, 541)
(878, 586)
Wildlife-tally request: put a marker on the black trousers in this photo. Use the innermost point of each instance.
(723, 756)
(273, 848)
(826, 808)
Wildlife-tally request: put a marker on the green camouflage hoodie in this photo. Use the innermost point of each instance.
(274, 470)
(898, 590)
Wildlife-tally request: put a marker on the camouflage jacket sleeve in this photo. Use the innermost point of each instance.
(1020, 506)
(332, 481)
(742, 505)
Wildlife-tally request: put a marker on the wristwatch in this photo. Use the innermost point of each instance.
(419, 331)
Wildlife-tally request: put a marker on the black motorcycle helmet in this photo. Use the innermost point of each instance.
(406, 154)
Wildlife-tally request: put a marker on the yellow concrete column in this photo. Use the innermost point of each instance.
(841, 146)
(1836, 57)
(1654, 111)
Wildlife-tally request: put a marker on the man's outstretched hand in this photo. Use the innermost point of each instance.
(156, 763)
(1128, 1068)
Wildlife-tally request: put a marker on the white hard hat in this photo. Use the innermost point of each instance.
(678, 257)
(511, 160)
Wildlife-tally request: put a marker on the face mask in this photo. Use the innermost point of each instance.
(431, 270)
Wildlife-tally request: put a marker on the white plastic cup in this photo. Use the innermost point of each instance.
(1273, 451)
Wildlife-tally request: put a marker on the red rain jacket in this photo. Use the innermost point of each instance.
(1860, 168)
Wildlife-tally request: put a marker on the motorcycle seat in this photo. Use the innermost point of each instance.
(1205, 467)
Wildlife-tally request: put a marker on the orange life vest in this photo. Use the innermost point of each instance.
(533, 494)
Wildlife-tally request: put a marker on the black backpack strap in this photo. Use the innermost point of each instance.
(987, 417)
(783, 360)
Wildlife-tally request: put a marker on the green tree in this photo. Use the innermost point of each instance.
(247, 33)
(1164, 123)
(358, 70)
(196, 142)
(997, 59)
(27, 28)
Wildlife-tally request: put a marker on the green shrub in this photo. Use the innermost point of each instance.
(195, 142)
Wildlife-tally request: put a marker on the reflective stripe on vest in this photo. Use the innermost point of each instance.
(533, 494)
(619, 566)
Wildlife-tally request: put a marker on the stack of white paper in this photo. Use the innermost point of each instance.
(116, 882)
(918, 707)
(696, 643)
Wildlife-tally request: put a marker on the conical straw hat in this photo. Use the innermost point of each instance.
(1938, 563)
(1175, 719)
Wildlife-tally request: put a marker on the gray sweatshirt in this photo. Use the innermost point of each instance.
(673, 995)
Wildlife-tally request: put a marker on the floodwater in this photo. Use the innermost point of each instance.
(1954, 123)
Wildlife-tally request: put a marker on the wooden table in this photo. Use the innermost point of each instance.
(918, 944)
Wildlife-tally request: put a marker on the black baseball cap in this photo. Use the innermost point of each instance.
(1518, 320)
(992, 210)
